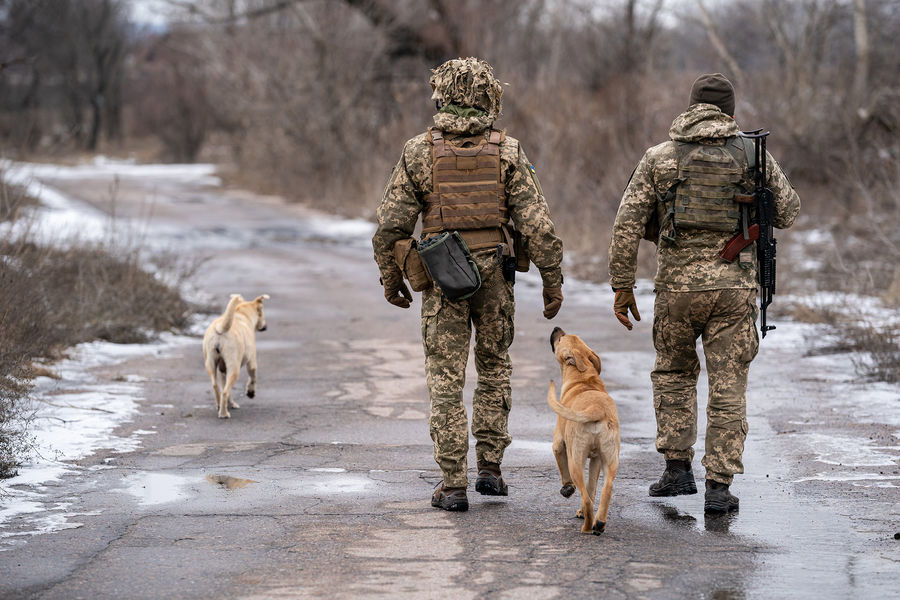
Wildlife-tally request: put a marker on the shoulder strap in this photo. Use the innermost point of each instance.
(749, 150)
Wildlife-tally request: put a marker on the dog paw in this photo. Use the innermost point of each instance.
(579, 514)
(567, 490)
(233, 404)
(224, 416)
(599, 527)
(251, 393)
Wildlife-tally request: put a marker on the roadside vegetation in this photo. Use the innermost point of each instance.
(312, 100)
(54, 297)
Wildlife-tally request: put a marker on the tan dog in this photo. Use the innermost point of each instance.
(229, 344)
(587, 428)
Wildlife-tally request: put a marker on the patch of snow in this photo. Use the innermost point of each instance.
(76, 416)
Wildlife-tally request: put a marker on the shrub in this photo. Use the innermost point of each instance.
(55, 297)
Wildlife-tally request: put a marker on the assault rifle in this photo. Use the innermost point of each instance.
(759, 228)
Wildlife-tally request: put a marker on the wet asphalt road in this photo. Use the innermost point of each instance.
(336, 446)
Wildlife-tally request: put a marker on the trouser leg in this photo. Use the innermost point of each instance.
(674, 375)
(730, 342)
(445, 334)
(492, 310)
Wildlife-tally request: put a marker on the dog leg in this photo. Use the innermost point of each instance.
(211, 370)
(593, 477)
(587, 502)
(559, 451)
(610, 467)
(219, 385)
(230, 379)
(251, 372)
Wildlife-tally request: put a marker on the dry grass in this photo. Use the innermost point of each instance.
(56, 297)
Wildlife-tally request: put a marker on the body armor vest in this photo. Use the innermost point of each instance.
(468, 195)
(708, 178)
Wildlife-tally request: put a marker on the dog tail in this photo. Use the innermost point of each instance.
(228, 317)
(567, 413)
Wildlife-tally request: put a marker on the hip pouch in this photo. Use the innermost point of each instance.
(449, 263)
(407, 258)
(523, 262)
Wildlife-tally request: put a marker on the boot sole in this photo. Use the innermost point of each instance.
(681, 489)
(485, 488)
(455, 506)
(720, 507)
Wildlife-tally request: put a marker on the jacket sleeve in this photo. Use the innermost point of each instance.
(787, 202)
(635, 209)
(531, 216)
(396, 218)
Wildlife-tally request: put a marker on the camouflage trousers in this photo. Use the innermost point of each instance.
(726, 322)
(446, 333)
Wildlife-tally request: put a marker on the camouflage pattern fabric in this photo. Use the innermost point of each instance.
(698, 295)
(411, 181)
(726, 322)
(446, 333)
(447, 325)
(692, 263)
(469, 83)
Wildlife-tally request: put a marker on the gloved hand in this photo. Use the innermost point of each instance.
(622, 304)
(398, 294)
(552, 301)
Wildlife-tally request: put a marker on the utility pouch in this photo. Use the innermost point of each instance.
(407, 258)
(651, 230)
(507, 263)
(449, 263)
(523, 263)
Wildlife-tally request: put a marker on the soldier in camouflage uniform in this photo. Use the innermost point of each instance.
(468, 97)
(698, 294)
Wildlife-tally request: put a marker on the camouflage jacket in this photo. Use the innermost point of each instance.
(692, 262)
(411, 181)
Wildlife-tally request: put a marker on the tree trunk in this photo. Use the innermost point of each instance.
(861, 75)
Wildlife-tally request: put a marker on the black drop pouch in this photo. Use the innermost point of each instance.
(447, 259)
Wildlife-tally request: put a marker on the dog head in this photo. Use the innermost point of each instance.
(571, 351)
(260, 316)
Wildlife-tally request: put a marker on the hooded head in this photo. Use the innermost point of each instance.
(468, 93)
(715, 89)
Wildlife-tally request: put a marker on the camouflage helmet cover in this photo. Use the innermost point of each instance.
(467, 82)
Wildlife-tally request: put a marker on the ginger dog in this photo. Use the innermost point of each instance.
(587, 428)
(229, 344)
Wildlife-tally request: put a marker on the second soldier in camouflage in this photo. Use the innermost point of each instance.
(685, 186)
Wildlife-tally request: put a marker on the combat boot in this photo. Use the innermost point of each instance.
(490, 482)
(450, 498)
(676, 480)
(718, 498)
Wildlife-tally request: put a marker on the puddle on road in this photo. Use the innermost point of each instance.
(229, 482)
(156, 488)
(324, 482)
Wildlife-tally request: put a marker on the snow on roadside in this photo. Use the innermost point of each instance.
(76, 417)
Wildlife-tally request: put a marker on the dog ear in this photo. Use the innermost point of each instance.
(576, 361)
(259, 299)
(595, 360)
